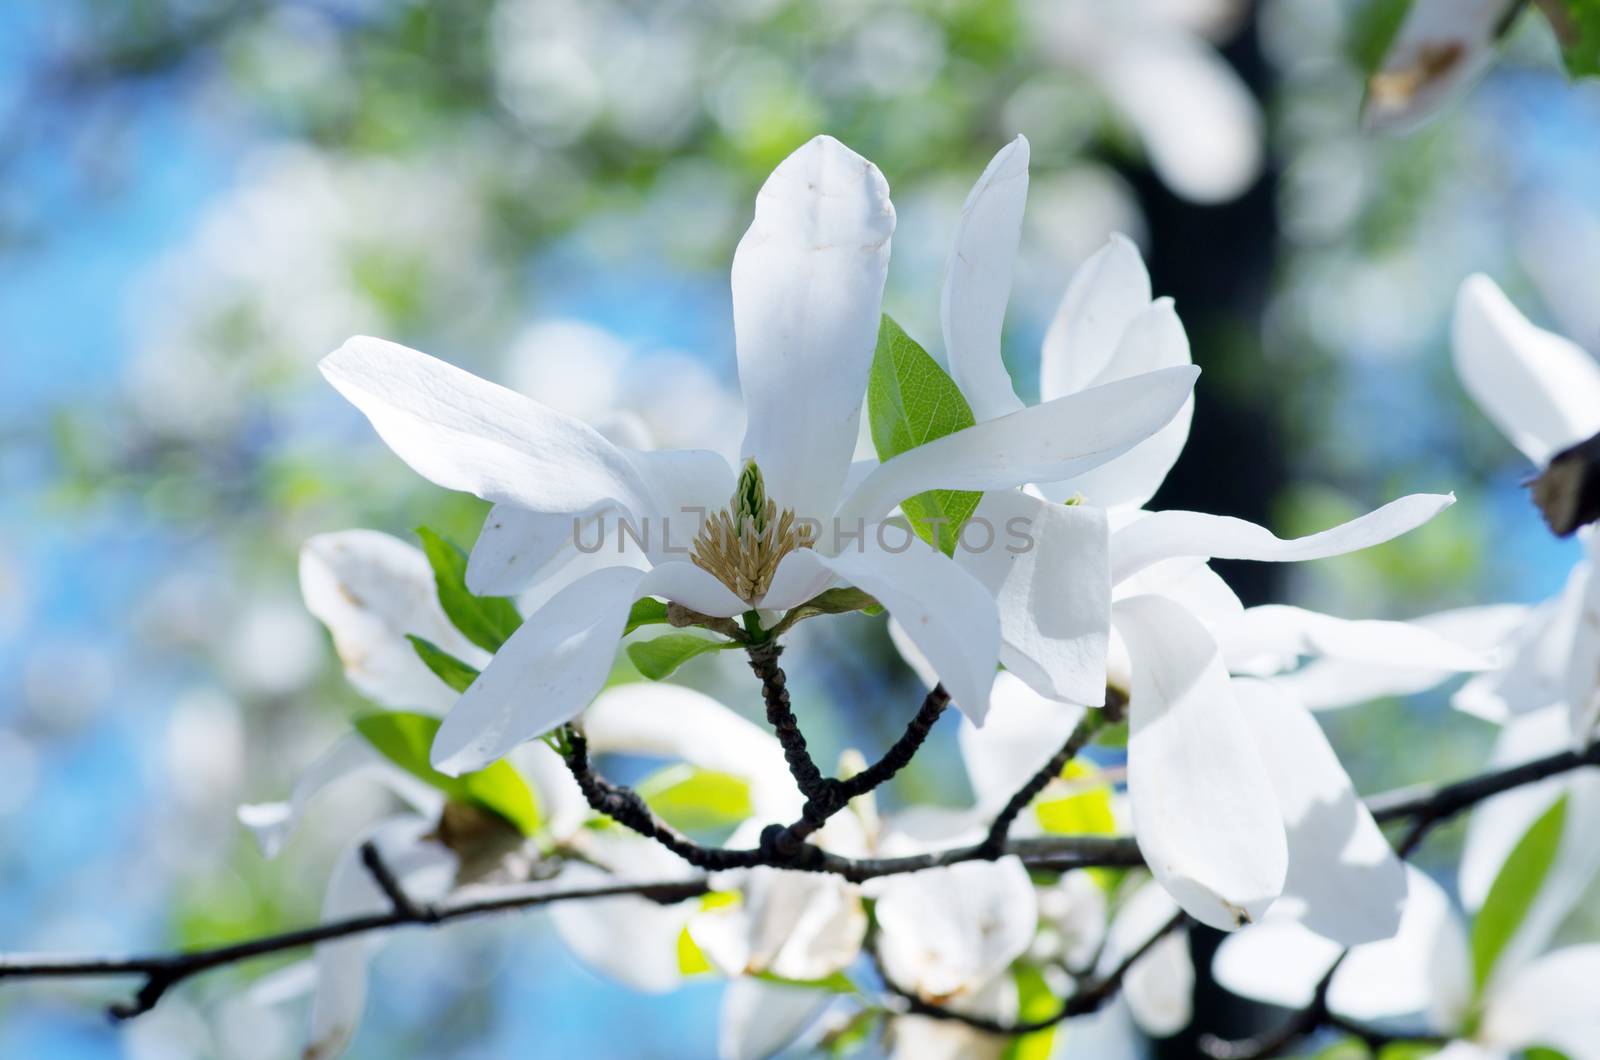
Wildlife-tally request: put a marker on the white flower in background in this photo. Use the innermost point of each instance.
(1441, 48)
(807, 280)
(1199, 124)
(1206, 805)
(1543, 392)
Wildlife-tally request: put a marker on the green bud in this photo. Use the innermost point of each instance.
(750, 498)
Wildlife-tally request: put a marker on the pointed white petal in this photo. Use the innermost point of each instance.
(803, 926)
(1159, 988)
(807, 290)
(1047, 566)
(947, 932)
(1022, 731)
(1548, 1002)
(1106, 293)
(464, 433)
(1154, 339)
(946, 612)
(977, 282)
(544, 674)
(1541, 390)
(1542, 654)
(516, 546)
(759, 1019)
(1441, 47)
(1045, 443)
(1344, 880)
(1271, 637)
(1164, 535)
(1203, 805)
(682, 582)
(370, 590)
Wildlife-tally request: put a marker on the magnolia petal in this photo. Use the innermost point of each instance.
(1542, 653)
(807, 291)
(1045, 443)
(1541, 390)
(1164, 535)
(946, 933)
(1276, 635)
(977, 282)
(760, 1019)
(1106, 293)
(686, 485)
(370, 590)
(1548, 1002)
(682, 582)
(1047, 566)
(467, 434)
(1278, 961)
(673, 722)
(1440, 47)
(1159, 988)
(801, 926)
(946, 612)
(351, 756)
(631, 940)
(515, 546)
(1022, 731)
(1344, 881)
(424, 868)
(1203, 804)
(1199, 124)
(544, 674)
(1424, 968)
(1154, 339)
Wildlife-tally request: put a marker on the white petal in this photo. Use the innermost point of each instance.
(370, 590)
(802, 926)
(516, 546)
(1159, 988)
(464, 433)
(1542, 653)
(1022, 731)
(1283, 633)
(1199, 124)
(669, 721)
(1541, 390)
(807, 290)
(1424, 968)
(682, 582)
(801, 575)
(1106, 293)
(1440, 47)
(947, 932)
(685, 485)
(926, 1038)
(1049, 570)
(544, 674)
(1278, 961)
(759, 1019)
(1045, 443)
(351, 756)
(1164, 535)
(977, 282)
(341, 991)
(946, 612)
(1204, 810)
(631, 940)
(1154, 339)
(1548, 1002)
(1344, 880)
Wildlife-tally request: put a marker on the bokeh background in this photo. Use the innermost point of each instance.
(199, 198)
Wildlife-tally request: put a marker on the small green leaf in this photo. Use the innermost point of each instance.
(1373, 27)
(691, 959)
(853, 1035)
(404, 738)
(658, 658)
(1034, 1002)
(691, 798)
(1514, 889)
(837, 983)
(1354, 1050)
(484, 620)
(646, 612)
(912, 401)
(1542, 1052)
(1577, 26)
(449, 669)
(1086, 812)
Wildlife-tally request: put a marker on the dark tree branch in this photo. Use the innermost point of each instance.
(813, 785)
(994, 844)
(899, 755)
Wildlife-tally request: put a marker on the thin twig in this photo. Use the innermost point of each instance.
(994, 843)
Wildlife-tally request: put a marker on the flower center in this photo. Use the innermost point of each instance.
(742, 545)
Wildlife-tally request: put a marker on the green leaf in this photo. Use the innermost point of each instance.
(484, 620)
(1577, 26)
(646, 612)
(404, 738)
(1373, 27)
(691, 959)
(837, 983)
(1034, 1002)
(853, 1035)
(449, 669)
(912, 401)
(1514, 889)
(1354, 1050)
(1085, 812)
(691, 798)
(658, 658)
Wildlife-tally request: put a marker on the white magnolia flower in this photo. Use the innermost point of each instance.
(1423, 978)
(807, 283)
(1204, 801)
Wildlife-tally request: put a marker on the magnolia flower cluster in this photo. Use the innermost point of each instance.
(1240, 808)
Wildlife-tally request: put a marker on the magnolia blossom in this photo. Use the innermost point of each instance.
(1209, 797)
(807, 283)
